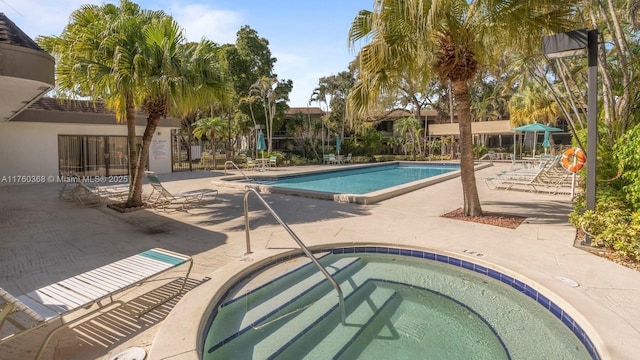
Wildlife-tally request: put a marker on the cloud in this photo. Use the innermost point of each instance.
(43, 17)
(200, 21)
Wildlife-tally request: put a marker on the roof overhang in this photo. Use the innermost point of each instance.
(498, 127)
(26, 75)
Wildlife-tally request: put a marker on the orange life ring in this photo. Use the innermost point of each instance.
(573, 159)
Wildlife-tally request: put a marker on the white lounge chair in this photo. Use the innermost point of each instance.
(95, 195)
(53, 302)
(161, 198)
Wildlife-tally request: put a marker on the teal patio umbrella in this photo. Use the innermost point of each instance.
(260, 143)
(546, 143)
(535, 128)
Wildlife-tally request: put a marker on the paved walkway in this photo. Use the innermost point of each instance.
(44, 239)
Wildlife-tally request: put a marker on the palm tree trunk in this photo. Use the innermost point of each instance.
(150, 129)
(470, 191)
(133, 150)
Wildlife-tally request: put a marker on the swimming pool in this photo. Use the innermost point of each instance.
(400, 303)
(362, 180)
(362, 184)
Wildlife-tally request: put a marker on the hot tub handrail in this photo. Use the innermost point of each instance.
(235, 166)
(295, 237)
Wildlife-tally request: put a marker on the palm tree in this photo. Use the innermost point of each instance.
(264, 89)
(456, 37)
(132, 58)
(209, 127)
(532, 104)
(409, 127)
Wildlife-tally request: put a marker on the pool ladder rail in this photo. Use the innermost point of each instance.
(235, 166)
(295, 237)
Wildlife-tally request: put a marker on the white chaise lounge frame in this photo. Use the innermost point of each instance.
(52, 302)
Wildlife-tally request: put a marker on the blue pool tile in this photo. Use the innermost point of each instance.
(494, 274)
(394, 251)
(442, 258)
(455, 262)
(481, 269)
(430, 256)
(520, 286)
(468, 265)
(405, 252)
(555, 310)
(370, 250)
(382, 250)
(542, 300)
(417, 253)
(531, 292)
(507, 279)
(567, 320)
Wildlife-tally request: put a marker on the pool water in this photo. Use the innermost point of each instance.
(362, 180)
(397, 307)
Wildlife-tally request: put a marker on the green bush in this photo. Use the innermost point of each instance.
(613, 225)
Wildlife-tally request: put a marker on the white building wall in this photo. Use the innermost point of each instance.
(31, 148)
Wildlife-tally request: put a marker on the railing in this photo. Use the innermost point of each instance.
(235, 166)
(297, 240)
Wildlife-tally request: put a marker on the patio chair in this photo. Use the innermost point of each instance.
(161, 198)
(251, 164)
(67, 191)
(273, 161)
(332, 159)
(325, 159)
(549, 178)
(529, 181)
(347, 159)
(90, 194)
(92, 289)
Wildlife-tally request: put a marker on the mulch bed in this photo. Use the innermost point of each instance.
(488, 218)
(122, 207)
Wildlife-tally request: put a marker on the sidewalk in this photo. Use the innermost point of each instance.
(45, 239)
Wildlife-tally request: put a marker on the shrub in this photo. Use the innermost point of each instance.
(613, 225)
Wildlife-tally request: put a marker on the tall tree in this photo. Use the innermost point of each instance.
(132, 58)
(210, 127)
(456, 37)
(532, 104)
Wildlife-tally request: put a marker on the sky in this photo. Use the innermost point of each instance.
(308, 38)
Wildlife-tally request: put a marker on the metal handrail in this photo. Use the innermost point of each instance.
(235, 166)
(297, 240)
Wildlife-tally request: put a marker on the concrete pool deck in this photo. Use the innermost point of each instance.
(45, 239)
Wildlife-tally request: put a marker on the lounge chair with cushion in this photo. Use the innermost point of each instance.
(273, 161)
(22, 314)
(161, 198)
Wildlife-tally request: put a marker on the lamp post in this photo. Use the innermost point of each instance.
(581, 42)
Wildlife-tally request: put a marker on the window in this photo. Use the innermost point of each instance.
(94, 155)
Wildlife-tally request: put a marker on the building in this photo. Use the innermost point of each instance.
(42, 138)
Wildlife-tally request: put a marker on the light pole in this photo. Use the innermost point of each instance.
(574, 43)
